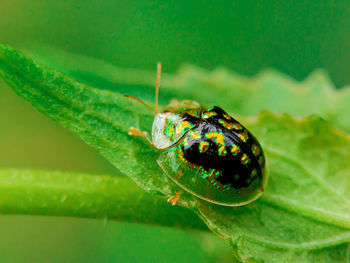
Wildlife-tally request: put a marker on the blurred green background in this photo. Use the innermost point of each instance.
(295, 37)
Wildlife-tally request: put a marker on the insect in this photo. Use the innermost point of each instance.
(206, 152)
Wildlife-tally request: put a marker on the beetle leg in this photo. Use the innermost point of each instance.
(179, 176)
(173, 200)
(136, 132)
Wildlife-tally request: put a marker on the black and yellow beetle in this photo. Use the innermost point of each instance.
(207, 152)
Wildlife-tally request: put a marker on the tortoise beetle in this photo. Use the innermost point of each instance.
(207, 153)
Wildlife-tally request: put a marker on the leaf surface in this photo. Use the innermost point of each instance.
(304, 215)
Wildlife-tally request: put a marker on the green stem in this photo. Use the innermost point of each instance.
(90, 196)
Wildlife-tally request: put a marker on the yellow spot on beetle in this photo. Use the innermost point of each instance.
(255, 150)
(218, 137)
(244, 136)
(245, 159)
(227, 117)
(183, 126)
(194, 113)
(237, 126)
(260, 160)
(203, 147)
(227, 125)
(194, 135)
(208, 114)
(222, 151)
(185, 142)
(235, 149)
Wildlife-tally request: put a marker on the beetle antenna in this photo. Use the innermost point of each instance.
(156, 111)
(159, 72)
(143, 103)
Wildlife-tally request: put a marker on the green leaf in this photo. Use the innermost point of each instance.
(304, 215)
(238, 94)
